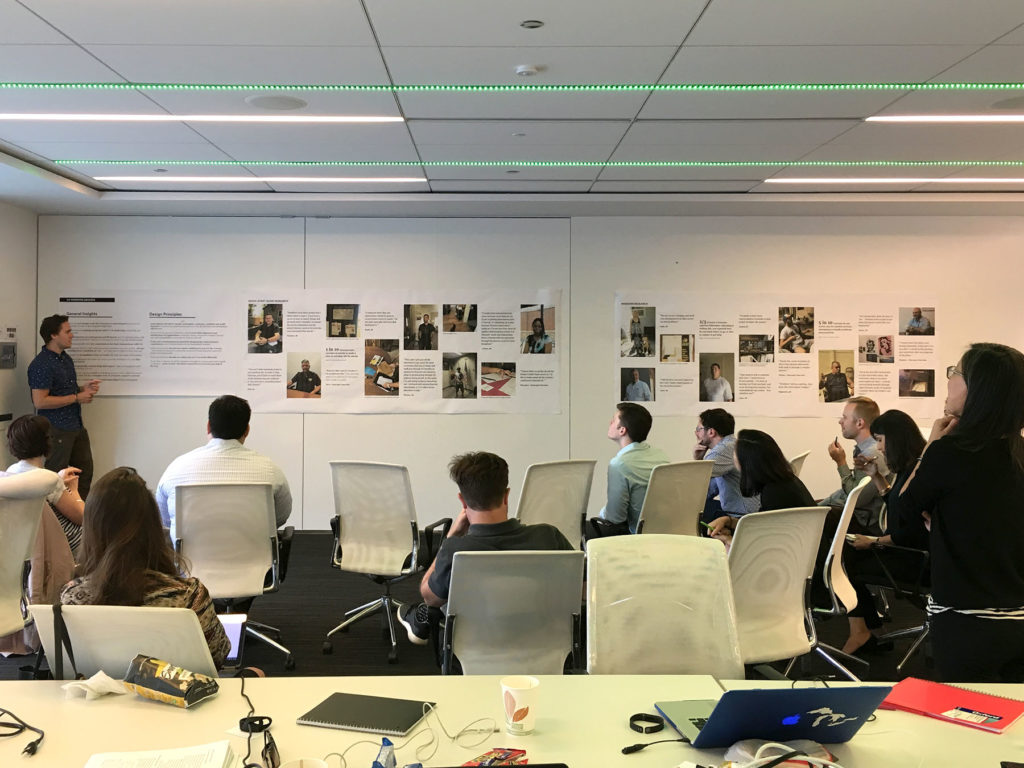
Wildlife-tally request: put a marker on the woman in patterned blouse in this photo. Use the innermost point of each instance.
(127, 558)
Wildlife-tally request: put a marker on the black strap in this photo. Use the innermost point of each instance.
(62, 641)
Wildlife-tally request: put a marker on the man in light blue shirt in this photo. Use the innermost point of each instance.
(638, 391)
(918, 325)
(716, 442)
(629, 471)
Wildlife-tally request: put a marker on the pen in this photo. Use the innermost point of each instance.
(837, 441)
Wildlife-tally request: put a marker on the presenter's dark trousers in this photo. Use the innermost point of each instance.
(71, 448)
(971, 649)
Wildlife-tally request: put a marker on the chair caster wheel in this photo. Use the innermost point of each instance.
(393, 656)
(327, 649)
(289, 662)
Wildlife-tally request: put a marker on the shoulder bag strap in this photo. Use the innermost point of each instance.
(61, 641)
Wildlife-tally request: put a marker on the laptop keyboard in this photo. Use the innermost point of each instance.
(698, 722)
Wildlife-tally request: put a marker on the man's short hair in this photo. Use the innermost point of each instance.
(482, 479)
(304, 361)
(719, 420)
(636, 419)
(865, 408)
(28, 437)
(50, 326)
(229, 417)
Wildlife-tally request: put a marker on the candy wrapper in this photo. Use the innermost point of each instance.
(159, 680)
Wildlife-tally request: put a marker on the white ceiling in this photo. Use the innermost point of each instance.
(480, 42)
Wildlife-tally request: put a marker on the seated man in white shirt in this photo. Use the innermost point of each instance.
(224, 459)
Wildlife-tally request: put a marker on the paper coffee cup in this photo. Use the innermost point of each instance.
(519, 702)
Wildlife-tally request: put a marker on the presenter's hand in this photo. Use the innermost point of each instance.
(85, 396)
(94, 386)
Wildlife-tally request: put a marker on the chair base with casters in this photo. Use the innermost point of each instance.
(913, 590)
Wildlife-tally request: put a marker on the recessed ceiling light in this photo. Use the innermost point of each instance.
(531, 24)
(945, 119)
(269, 179)
(164, 118)
(896, 180)
(279, 103)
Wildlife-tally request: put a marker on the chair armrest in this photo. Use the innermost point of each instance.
(427, 552)
(336, 549)
(284, 548)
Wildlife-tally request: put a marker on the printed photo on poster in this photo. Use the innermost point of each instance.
(796, 329)
(917, 382)
(537, 329)
(637, 385)
(458, 318)
(835, 374)
(381, 367)
(420, 327)
(305, 381)
(875, 349)
(717, 373)
(459, 375)
(265, 328)
(342, 321)
(757, 348)
(636, 331)
(497, 379)
(677, 348)
(917, 321)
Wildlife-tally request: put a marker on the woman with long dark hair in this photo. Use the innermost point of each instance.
(969, 485)
(127, 558)
(901, 443)
(538, 342)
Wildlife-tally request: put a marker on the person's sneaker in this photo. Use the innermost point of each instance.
(416, 620)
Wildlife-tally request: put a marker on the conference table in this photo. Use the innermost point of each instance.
(581, 721)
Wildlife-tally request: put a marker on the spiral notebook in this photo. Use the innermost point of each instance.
(374, 714)
(954, 704)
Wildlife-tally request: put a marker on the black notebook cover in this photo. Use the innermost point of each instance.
(376, 714)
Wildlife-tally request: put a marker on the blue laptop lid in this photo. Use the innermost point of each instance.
(825, 715)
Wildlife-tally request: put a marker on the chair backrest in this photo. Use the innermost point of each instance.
(797, 462)
(844, 597)
(557, 492)
(108, 637)
(377, 518)
(21, 504)
(675, 498)
(228, 533)
(660, 604)
(771, 562)
(512, 613)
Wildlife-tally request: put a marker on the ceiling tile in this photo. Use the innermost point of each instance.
(287, 65)
(80, 150)
(745, 105)
(898, 141)
(648, 173)
(317, 102)
(567, 22)
(351, 188)
(953, 102)
(22, 26)
(865, 22)
(810, 133)
(51, 63)
(992, 64)
(522, 106)
(719, 153)
(587, 153)
(520, 174)
(112, 134)
(669, 187)
(812, 63)
(463, 185)
(308, 142)
(503, 132)
(201, 22)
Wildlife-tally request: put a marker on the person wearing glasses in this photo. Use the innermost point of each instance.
(716, 442)
(969, 487)
(127, 558)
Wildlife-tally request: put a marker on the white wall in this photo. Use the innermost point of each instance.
(17, 309)
(969, 264)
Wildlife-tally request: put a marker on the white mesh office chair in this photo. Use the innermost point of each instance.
(675, 498)
(21, 504)
(771, 562)
(376, 533)
(557, 492)
(660, 604)
(797, 462)
(841, 593)
(108, 637)
(513, 613)
(228, 533)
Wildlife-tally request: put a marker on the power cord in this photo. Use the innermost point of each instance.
(761, 760)
(18, 727)
(637, 747)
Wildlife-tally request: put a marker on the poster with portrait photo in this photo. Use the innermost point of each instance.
(917, 321)
(874, 349)
(342, 321)
(381, 369)
(917, 382)
(676, 348)
(458, 318)
(637, 330)
(756, 348)
(796, 330)
(497, 379)
(717, 375)
(420, 326)
(458, 375)
(636, 385)
(537, 329)
(266, 328)
(303, 372)
(835, 375)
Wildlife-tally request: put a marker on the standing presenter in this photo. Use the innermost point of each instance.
(58, 398)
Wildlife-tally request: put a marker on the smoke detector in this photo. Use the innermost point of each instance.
(528, 70)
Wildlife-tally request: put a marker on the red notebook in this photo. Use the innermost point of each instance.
(957, 705)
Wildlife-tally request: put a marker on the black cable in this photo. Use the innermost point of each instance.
(19, 726)
(637, 747)
(783, 758)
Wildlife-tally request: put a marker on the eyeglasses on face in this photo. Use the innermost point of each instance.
(952, 371)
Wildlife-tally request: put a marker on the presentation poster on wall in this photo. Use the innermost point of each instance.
(315, 351)
(776, 355)
(392, 352)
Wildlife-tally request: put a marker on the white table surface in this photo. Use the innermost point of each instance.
(582, 721)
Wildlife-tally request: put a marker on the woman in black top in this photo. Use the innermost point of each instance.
(970, 485)
(900, 441)
(765, 471)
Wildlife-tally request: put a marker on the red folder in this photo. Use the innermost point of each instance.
(954, 704)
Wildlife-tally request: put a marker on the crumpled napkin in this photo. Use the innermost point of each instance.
(98, 685)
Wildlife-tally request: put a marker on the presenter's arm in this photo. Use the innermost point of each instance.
(42, 399)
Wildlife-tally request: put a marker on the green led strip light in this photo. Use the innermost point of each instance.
(523, 88)
(560, 164)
